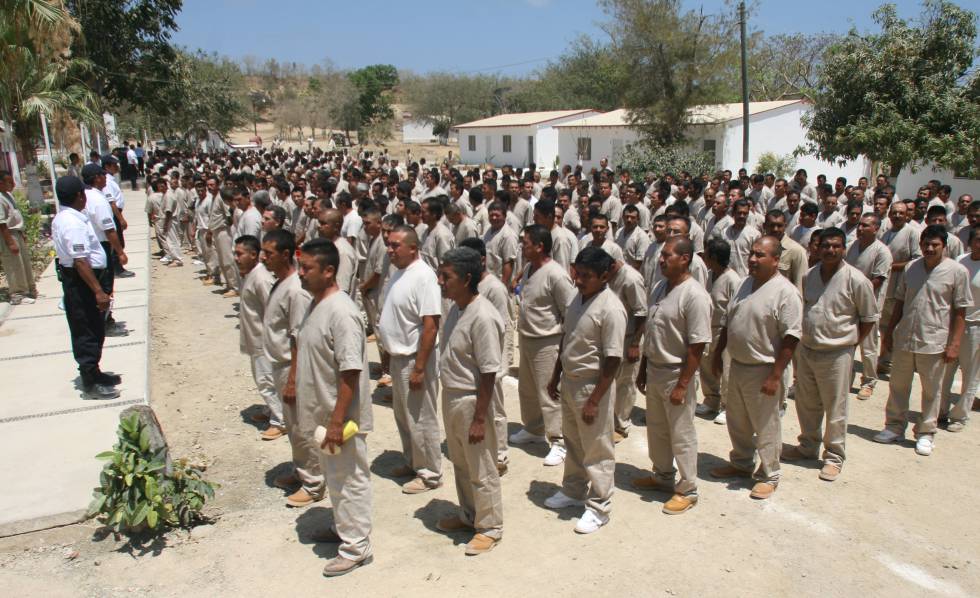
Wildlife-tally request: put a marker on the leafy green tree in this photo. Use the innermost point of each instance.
(675, 59)
(129, 42)
(786, 65)
(445, 100)
(375, 84)
(903, 96)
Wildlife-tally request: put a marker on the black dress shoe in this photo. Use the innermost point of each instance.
(108, 379)
(125, 274)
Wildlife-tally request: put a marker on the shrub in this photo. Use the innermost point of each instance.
(781, 166)
(641, 158)
(135, 492)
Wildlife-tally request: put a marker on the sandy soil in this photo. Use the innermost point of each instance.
(894, 523)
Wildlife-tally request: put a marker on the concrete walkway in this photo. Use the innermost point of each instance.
(49, 435)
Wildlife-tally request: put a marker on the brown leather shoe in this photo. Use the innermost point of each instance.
(326, 535)
(452, 524)
(301, 498)
(729, 471)
(208, 282)
(402, 471)
(287, 481)
(273, 433)
(679, 503)
(618, 437)
(865, 392)
(501, 468)
(762, 490)
(794, 453)
(338, 566)
(653, 483)
(230, 293)
(829, 472)
(480, 544)
(418, 486)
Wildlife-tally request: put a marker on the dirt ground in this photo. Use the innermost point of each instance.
(894, 524)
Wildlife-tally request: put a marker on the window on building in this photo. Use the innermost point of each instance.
(471, 143)
(708, 146)
(506, 144)
(584, 148)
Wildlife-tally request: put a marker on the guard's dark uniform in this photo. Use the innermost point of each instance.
(74, 238)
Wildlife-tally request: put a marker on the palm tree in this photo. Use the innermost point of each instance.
(38, 73)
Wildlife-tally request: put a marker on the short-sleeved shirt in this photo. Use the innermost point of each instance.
(633, 243)
(973, 269)
(467, 228)
(74, 238)
(438, 240)
(375, 263)
(608, 245)
(411, 294)
(330, 339)
(347, 269)
(741, 244)
(112, 191)
(612, 208)
(496, 293)
(203, 212)
(285, 310)
(254, 296)
(594, 330)
(698, 269)
(99, 213)
(564, 246)
(651, 263)
(722, 290)
(218, 213)
(757, 320)
(473, 341)
(627, 283)
(792, 261)
(250, 223)
(545, 294)
(833, 310)
(9, 214)
(904, 246)
(930, 298)
(679, 317)
(874, 261)
(501, 248)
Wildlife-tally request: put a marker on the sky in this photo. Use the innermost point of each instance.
(509, 37)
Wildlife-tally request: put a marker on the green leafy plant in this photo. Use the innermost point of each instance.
(136, 493)
(781, 166)
(640, 158)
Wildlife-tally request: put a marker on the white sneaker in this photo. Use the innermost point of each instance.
(556, 456)
(923, 445)
(28, 301)
(703, 409)
(886, 436)
(590, 522)
(721, 419)
(165, 260)
(522, 436)
(559, 500)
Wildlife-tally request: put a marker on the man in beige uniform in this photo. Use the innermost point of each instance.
(470, 360)
(839, 310)
(369, 284)
(760, 331)
(496, 293)
(546, 290)
(332, 383)
(902, 240)
(869, 255)
(724, 283)
(257, 283)
(627, 283)
(925, 329)
(632, 239)
(678, 328)
(958, 411)
(437, 239)
(741, 236)
(15, 255)
(284, 311)
(792, 260)
(591, 351)
(219, 219)
(329, 222)
(407, 328)
(564, 245)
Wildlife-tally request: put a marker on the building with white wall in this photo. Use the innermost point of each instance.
(588, 140)
(908, 182)
(417, 131)
(515, 139)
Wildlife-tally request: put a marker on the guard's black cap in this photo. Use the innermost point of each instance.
(67, 189)
(109, 159)
(90, 171)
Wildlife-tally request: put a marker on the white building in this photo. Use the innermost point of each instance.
(515, 139)
(588, 140)
(417, 131)
(908, 182)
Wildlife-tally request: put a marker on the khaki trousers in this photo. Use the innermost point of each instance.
(348, 481)
(417, 419)
(931, 369)
(266, 384)
(222, 242)
(886, 316)
(671, 435)
(539, 414)
(20, 273)
(474, 465)
(753, 421)
(823, 383)
(969, 364)
(870, 347)
(590, 461)
(306, 454)
(205, 252)
(714, 388)
(173, 242)
(625, 395)
(500, 419)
